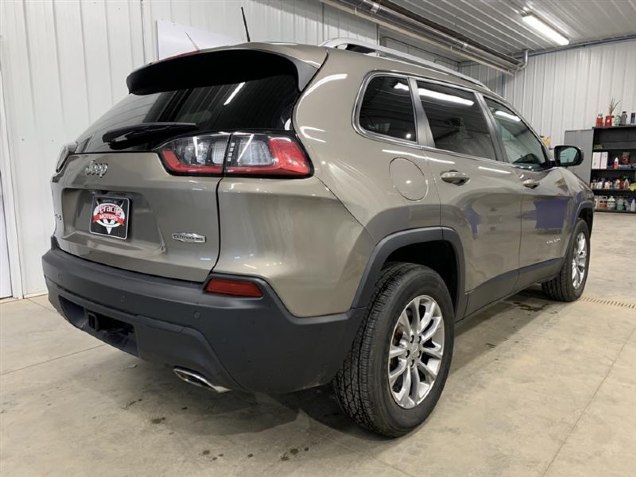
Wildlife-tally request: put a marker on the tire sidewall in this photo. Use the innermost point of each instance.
(420, 281)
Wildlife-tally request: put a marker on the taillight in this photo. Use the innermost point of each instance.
(196, 155)
(239, 154)
(266, 155)
(228, 286)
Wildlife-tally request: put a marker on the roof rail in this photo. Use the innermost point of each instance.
(367, 48)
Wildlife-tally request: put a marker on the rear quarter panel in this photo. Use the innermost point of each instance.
(355, 167)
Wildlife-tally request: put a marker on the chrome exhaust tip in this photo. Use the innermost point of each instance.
(197, 379)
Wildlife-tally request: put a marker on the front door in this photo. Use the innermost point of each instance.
(547, 201)
(480, 196)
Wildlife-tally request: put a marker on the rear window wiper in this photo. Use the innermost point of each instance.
(127, 136)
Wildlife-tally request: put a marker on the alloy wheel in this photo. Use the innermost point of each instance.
(579, 260)
(415, 352)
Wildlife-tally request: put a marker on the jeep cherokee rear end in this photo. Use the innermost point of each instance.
(192, 230)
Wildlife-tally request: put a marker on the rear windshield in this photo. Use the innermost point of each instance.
(261, 104)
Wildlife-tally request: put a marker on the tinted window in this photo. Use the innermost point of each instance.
(387, 108)
(264, 103)
(522, 147)
(456, 120)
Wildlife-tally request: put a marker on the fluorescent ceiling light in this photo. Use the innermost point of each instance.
(510, 117)
(545, 30)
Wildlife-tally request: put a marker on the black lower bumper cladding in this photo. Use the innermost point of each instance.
(253, 344)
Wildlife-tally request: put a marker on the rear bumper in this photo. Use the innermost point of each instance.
(250, 344)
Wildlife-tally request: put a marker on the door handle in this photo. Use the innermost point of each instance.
(531, 183)
(455, 177)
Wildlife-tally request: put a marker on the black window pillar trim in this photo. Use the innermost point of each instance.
(497, 141)
(424, 135)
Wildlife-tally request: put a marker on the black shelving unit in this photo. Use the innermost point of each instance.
(615, 141)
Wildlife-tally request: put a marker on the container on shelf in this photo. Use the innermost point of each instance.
(620, 204)
(599, 120)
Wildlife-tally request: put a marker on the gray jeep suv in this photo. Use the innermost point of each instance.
(272, 217)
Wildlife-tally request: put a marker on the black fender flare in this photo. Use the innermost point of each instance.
(585, 204)
(393, 242)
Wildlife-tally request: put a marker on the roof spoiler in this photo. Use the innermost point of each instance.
(217, 66)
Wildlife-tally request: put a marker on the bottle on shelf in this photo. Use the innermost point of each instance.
(611, 203)
(599, 120)
(632, 207)
(620, 204)
(616, 162)
(623, 119)
(632, 118)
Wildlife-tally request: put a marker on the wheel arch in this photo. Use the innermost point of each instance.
(439, 248)
(586, 212)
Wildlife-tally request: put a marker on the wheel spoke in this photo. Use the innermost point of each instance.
(428, 316)
(433, 329)
(397, 372)
(406, 324)
(399, 350)
(427, 370)
(415, 315)
(435, 352)
(403, 395)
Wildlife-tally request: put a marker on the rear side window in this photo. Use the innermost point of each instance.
(257, 104)
(456, 120)
(387, 108)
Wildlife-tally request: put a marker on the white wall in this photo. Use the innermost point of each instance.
(405, 47)
(566, 90)
(64, 63)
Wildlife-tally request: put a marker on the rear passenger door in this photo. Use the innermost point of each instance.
(547, 200)
(480, 195)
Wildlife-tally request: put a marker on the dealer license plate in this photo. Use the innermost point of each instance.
(110, 217)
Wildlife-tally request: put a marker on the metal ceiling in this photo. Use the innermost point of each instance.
(497, 24)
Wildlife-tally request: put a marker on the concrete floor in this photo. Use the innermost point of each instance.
(537, 388)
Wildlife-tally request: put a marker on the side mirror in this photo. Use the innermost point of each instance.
(568, 156)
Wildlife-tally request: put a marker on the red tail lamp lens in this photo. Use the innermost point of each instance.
(238, 154)
(226, 286)
(259, 154)
(196, 155)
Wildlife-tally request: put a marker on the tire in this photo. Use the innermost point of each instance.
(564, 287)
(362, 384)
